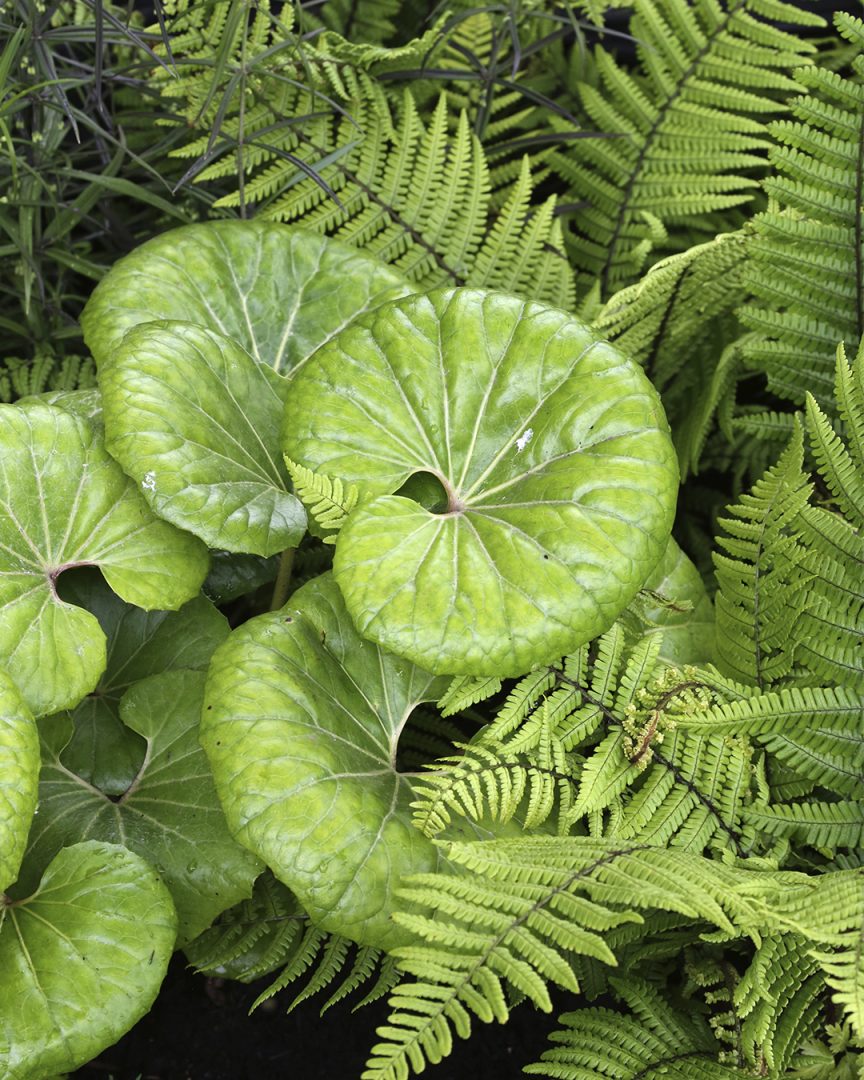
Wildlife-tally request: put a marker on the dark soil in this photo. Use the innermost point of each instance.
(198, 1029)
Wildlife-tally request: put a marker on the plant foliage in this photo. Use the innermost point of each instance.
(470, 731)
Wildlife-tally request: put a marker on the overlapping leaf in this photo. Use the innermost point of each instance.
(19, 777)
(81, 960)
(278, 292)
(102, 750)
(547, 448)
(169, 813)
(66, 503)
(195, 421)
(301, 724)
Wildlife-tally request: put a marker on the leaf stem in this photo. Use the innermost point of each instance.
(283, 580)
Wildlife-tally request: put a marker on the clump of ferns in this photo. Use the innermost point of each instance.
(566, 737)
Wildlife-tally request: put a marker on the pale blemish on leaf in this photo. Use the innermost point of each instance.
(524, 439)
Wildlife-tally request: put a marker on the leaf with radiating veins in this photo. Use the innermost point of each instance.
(278, 292)
(64, 503)
(81, 960)
(301, 722)
(517, 482)
(169, 814)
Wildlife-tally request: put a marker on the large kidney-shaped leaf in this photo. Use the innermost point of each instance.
(19, 778)
(64, 502)
(278, 292)
(169, 814)
(81, 960)
(103, 750)
(550, 453)
(301, 722)
(195, 421)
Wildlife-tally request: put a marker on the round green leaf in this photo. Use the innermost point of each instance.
(301, 722)
(552, 462)
(66, 503)
(81, 960)
(278, 292)
(19, 778)
(169, 814)
(195, 421)
(103, 751)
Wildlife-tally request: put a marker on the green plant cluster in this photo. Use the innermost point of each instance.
(432, 483)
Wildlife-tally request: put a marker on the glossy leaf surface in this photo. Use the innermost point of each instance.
(66, 503)
(542, 477)
(169, 814)
(81, 960)
(278, 292)
(301, 724)
(194, 420)
(19, 778)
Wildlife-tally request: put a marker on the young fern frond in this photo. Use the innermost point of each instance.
(486, 780)
(806, 275)
(759, 573)
(327, 499)
(691, 126)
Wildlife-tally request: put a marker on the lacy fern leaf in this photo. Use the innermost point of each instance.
(807, 274)
(691, 126)
(519, 912)
(652, 1040)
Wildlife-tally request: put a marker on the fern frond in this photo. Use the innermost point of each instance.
(23, 378)
(520, 910)
(254, 937)
(690, 122)
(778, 1002)
(829, 916)
(328, 501)
(419, 198)
(807, 273)
(840, 465)
(652, 1040)
(676, 321)
(485, 780)
(760, 581)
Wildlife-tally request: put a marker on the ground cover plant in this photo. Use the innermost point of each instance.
(432, 481)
